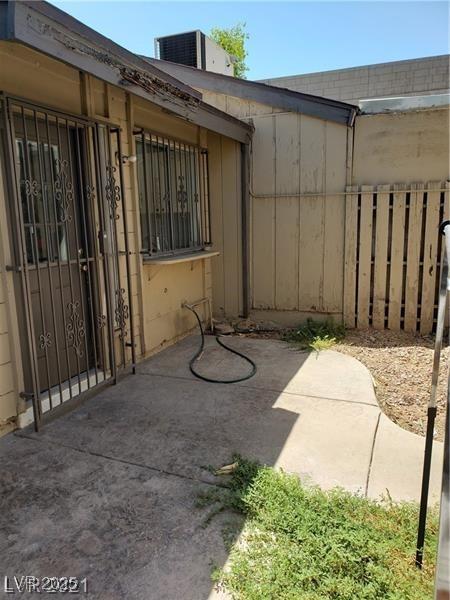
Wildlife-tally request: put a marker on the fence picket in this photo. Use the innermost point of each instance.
(365, 256)
(402, 242)
(381, 256)
(413, 256)
(429, 257)
(397, 252)
(351, 231)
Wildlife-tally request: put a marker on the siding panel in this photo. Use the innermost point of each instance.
(287, 181)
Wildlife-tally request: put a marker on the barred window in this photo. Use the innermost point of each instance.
(173, 195)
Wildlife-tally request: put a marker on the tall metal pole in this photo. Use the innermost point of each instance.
(442, 588)
(443, 289)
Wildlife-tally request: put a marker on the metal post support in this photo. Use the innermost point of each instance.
(442, 587)
(443, 292)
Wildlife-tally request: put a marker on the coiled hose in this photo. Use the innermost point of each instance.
(219, 341)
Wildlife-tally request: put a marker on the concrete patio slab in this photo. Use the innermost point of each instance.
(397, 463)
(131, 532)
(299, 372)
(108, 491)
(181, 427)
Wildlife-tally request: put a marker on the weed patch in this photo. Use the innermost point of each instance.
(302, 542)
(315, 335)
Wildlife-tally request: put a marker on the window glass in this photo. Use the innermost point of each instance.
(44, 243)
(170, 195)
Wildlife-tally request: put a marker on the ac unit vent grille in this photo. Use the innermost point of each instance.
(180, 49)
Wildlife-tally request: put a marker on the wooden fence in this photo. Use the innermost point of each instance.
(393, 255)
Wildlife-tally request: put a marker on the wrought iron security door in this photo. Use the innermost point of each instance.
(74, 310)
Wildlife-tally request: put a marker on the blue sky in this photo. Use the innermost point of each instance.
(286, 38)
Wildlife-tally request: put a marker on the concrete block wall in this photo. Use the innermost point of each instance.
(420, 76)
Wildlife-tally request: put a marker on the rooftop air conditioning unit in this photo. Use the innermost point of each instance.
(194, 49)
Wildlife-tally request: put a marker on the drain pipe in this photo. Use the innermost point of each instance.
(245, 220)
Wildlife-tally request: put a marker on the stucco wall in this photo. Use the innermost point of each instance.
(401, 147)
(429, 75)
(158, 290)
(164, 290)
(34, 76)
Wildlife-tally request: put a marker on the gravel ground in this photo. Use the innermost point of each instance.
(401, 365)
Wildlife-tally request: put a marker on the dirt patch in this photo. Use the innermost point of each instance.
(401, 365)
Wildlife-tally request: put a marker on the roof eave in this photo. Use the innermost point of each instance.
(316, 106)
(47, 29)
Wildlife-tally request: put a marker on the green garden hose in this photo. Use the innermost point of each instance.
(219, 341)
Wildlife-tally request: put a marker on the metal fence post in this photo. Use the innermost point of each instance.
(443, 293)
(442, 587)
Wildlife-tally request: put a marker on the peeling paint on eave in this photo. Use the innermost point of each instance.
(128, 75)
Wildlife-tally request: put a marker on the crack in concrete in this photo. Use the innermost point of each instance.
(253, 387)
(118, 460)
(372, 452)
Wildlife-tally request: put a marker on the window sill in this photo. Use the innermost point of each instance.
(180, 258)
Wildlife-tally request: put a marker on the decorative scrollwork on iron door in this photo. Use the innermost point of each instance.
(112, 192)
(75, 328)
(45, 340)
(90, 193)
(63, 191)
(182, 196)
(122, 313)
(101, 321)
(31, 198)
(32, 189)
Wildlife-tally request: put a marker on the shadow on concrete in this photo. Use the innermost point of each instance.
(108, 492)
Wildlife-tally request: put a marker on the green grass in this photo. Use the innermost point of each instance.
(315, 335)
(303, 543)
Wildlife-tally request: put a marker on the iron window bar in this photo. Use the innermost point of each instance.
(173, 182)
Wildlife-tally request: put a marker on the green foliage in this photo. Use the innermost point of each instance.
(316, 335)
(233, 41)
(302, 542)
(231, 495)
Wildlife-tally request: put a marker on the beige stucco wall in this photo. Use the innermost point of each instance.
(158, 290)
(165, 289)
(401, 147)
(36, 77)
